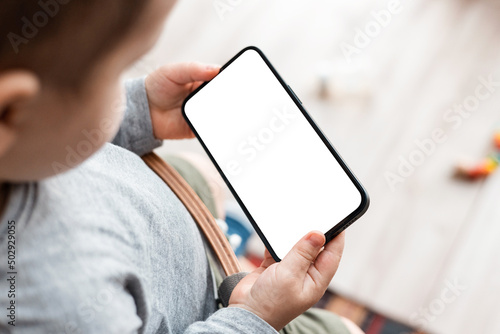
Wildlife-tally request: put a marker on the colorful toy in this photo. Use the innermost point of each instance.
(485, 167)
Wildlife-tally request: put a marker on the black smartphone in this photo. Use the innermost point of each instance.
(280, 167)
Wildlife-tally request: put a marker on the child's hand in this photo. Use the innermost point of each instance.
(279, 292)
(167, 88)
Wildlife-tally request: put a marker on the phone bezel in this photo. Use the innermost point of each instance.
(340, 226)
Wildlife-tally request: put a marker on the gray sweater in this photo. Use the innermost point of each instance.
(108, 248)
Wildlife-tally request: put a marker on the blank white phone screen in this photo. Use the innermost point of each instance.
(286, 177)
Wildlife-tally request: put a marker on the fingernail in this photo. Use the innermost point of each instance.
(315, 239)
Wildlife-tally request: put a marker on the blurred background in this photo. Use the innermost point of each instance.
(409, 94)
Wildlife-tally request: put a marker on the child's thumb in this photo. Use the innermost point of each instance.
(305, 252)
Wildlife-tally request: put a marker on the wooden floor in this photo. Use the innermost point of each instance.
(428, 251)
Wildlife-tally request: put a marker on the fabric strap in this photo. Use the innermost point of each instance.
(201, 215)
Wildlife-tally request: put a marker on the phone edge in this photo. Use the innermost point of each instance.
(340, 226)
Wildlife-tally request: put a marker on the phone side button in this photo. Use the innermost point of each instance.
(295, 95)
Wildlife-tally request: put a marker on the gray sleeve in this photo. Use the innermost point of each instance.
(75, 286)
(231, 320)
(136, 130)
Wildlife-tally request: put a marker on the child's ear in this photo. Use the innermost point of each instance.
(16, 88)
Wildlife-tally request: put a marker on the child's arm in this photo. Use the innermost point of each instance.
(136, 131)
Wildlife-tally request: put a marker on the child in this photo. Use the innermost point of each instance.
(92, 241)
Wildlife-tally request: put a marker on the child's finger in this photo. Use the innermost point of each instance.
(328, 261)
(196, 85)
(184, 73)
(268, 259)
(304, 252)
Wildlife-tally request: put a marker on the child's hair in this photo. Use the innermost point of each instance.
(60, 40)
